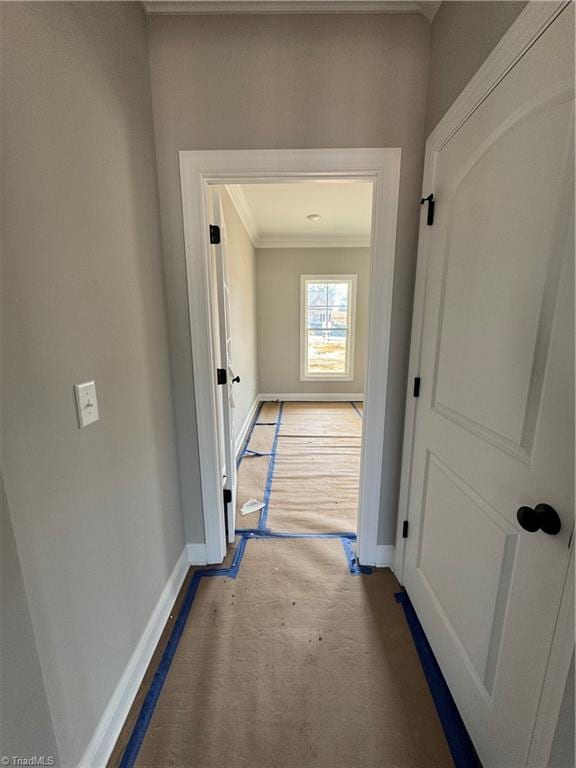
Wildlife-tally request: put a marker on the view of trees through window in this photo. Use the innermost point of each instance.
(327, 326)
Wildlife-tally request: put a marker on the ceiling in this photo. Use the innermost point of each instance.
(275, 215)
(427, 8)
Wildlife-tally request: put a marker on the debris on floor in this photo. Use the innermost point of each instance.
(252, 505)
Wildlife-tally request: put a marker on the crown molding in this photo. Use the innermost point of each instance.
(154, 7)
(244, 211)
(308, 242)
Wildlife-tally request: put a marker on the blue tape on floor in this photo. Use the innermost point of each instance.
(358, 411)
(353, 565)
(249, 436)
(147, 710)
(266, 533)
(155, 689)
(268, 487)
(459, 742)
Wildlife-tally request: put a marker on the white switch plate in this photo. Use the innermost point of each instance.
(86, 403)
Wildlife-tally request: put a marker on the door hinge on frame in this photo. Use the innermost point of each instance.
(416, 390)
(431, 205)
(214, 234)
(227, 496)
(221, 376)
(405, 529)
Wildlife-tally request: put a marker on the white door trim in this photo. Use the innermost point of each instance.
(199, 169)
(528, 27)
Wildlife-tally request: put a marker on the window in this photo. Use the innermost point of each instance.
(327, 327)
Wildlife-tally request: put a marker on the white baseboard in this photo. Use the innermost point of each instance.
(246, 426)
(315, 397)
(108, 729)
(384, 556)
(197, 554)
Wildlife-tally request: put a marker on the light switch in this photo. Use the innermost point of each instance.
(86, 403)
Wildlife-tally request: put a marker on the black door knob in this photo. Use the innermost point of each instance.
(236, 379)
(542, 518)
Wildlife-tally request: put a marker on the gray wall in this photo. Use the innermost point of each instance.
(25, 722)
(463, 34)
(254, 82)
(95, 512)
(278, 273)
(241, 258)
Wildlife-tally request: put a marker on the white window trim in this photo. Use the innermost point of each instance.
(348, 375)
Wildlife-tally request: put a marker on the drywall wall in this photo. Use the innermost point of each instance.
(275, 81)
(96, 512)
(25, 722)
(463, 34)
(278, 273)
(241, 259)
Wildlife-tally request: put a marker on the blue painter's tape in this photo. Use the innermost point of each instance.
(266, 533)
(271, 465)
(353, 565)
(155, 689)
(249, 436)
(358, 411)
(459, 742)
(149, 704)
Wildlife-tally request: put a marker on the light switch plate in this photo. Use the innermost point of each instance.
(86, 403)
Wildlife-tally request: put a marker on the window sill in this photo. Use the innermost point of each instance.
(322, 377)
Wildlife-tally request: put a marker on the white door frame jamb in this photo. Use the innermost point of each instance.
(198, 170)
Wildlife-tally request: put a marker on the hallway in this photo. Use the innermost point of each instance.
(296, 656)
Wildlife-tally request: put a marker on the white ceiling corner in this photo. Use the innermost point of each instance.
(429, 9)
(238, 197)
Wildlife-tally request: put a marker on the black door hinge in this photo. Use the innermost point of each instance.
(227, 496)
(221, 376)
(405, 529)
(214, 234)
(431, 204)
(416, 390)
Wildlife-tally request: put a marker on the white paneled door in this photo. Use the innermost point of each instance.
(494, 426)
(225, 389)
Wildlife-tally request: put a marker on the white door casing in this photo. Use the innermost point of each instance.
(199, 171)
(225, 392)
(494, 424)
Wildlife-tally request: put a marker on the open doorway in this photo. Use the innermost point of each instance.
(292, 274)
(320, 344)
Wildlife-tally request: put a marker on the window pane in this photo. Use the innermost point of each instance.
(327, 317)
(337, 317)
(319, 318)
(327, 351)
(317, 295)
(338, 295)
